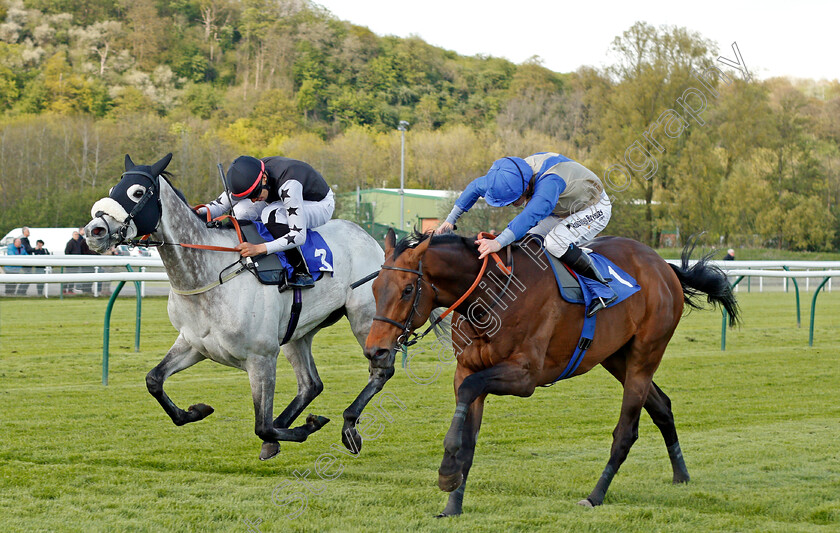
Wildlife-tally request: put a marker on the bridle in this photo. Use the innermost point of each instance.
(403, 340)
(122, 232)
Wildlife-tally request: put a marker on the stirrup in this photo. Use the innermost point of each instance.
(599, 304)
(301, 281)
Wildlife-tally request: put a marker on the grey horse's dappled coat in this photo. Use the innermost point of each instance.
(241, 322)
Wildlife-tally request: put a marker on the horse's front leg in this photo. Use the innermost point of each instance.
(381, 371)
(261, 374)
(465, 457)
(179, 357)
(510, 377)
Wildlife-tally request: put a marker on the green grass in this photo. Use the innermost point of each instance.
(758, 425)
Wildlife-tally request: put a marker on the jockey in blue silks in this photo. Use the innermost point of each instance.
(564, 202)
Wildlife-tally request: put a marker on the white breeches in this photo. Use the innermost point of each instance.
(578, 227)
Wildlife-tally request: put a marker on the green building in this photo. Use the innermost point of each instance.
(376, 210)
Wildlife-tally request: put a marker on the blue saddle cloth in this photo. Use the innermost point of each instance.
(316, 252)
(581, 290)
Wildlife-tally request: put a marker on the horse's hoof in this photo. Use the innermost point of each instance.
(450, 482)
(269, 450)
(445, 515)
(351, 439)
(681, 479)
(201, 411)
(586, 503)
(316, 422)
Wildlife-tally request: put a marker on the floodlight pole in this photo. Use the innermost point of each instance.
(402, 127)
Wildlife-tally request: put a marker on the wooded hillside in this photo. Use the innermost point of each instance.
(82, 82)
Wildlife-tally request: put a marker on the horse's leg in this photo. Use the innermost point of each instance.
(658, 406)
(299, 354)
(360, 311)
(642, 361)
(261, 374)
(465, 456)
(179, 357)
(510, 377)
(380, 372)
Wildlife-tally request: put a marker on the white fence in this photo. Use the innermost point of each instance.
(116, 267)
(816, 270)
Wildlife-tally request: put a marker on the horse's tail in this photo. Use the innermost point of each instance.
(706, 278)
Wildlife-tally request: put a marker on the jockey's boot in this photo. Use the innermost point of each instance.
(301, 279)
(581, 263)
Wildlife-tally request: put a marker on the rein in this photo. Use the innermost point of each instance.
(146, 242)
(403, 339)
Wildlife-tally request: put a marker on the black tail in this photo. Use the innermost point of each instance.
(705, 278)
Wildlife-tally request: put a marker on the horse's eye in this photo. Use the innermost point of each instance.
(407, 290)
(136, 192)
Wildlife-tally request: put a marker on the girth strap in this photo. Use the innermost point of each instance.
(297, 305)
(586, 335)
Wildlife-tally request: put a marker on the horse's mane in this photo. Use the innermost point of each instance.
(168, 176)
(413, 239)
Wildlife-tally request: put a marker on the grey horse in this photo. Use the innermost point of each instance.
(240, 323)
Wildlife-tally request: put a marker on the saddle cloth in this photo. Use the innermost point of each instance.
(580, 290)
(316, 252)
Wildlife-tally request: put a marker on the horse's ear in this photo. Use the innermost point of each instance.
(390, 242)
(158, 167)
(129, 164)
(421, 248)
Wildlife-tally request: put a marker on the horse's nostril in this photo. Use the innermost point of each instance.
(98, 231)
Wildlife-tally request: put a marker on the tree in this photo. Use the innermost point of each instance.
(652, 70)
(99, 38)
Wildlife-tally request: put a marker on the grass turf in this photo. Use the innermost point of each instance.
(758, 425)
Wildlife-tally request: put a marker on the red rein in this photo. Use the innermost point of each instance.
(499, 263)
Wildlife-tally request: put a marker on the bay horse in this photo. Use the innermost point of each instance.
(238, 323)
(536, 334)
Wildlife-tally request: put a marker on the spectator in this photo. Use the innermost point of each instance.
(16, 248)
(40, 250)
(74, 247)
(730, 255)
(24, 240)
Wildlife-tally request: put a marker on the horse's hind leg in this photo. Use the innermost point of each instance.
(658, 406)
(179, 357)
(262, 375)
(299, 354)
(642, 361)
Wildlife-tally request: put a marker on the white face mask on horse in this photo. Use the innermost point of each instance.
(131, 209)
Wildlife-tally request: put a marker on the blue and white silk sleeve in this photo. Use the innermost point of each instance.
(291, 194)
(476, 189)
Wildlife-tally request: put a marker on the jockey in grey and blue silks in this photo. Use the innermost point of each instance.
(289, 196)
(565, 203)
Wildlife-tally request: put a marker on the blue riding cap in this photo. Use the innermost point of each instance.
(506, 181)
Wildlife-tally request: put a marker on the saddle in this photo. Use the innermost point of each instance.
(567, 282)
(267, 268)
